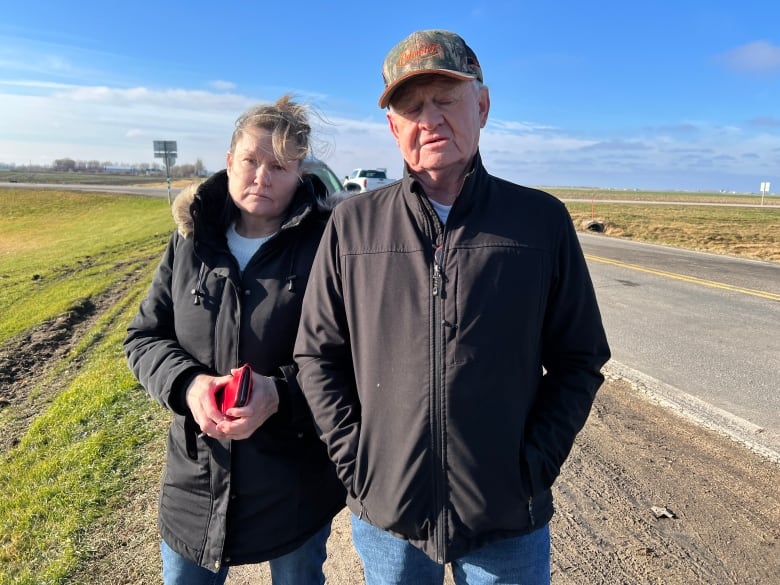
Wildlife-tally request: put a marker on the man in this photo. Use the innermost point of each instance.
(450, 345)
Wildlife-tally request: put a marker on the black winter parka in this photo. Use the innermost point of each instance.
(450, 367)
(222, 501)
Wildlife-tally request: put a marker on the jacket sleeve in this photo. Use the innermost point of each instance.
(322, 352)
(154, 355)
(574, 348)
(292, 403)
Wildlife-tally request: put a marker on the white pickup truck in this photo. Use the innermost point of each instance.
(366, 179)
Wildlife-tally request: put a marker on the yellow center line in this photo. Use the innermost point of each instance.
(683, 277)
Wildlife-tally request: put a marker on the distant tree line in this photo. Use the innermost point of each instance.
(68, 165)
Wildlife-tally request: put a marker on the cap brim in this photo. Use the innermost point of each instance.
(387, 95)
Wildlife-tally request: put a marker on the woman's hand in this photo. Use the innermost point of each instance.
(200, 396)
(241, 422)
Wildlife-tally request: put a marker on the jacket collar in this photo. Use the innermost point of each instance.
(207, 209)
(469, 191)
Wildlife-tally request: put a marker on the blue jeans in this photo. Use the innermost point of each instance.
(387, 560)
(303, 566)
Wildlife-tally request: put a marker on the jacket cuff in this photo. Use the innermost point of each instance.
(284, 397)
(177, 399)
(292, 403)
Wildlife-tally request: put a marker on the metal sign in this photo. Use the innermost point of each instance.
(166, 150)
(163, 148)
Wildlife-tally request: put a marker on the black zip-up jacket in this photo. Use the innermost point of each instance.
(234, 502)
(449, 368)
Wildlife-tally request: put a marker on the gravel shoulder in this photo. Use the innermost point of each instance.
(720, 504)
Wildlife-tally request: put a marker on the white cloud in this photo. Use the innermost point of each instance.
(757, 57)
(713, 157)
(346, 143)
(517, 126)
(46, 121)
(219, 84)
(52, 121)
(171, 99)
(57, 63)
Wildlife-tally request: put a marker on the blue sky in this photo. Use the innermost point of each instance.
(647, 95)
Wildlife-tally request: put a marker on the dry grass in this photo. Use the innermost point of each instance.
(601, 195)
(748, 232)
(175, 184)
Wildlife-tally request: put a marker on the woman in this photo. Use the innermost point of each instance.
(255, 483)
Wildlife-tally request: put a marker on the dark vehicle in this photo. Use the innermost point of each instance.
(326, 175)
(335, 190)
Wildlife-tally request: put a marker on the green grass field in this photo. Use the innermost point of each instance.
(71, 470)
(69, 466)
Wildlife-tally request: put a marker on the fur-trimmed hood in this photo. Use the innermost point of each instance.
(180, 209)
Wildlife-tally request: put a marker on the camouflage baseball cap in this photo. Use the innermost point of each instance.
(428, 51)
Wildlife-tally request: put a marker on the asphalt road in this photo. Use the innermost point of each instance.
(701, 329)
(124, 189)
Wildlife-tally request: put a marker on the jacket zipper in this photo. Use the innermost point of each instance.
(437, 256)
(437, 400)
(237, 291)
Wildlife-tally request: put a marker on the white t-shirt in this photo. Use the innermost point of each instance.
(243, 248)
(443, 211)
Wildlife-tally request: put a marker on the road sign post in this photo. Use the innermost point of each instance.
(166, 150)
(765, 186)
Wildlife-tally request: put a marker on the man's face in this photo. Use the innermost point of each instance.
(436, 122)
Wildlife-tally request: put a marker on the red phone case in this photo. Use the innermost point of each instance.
(236, 393)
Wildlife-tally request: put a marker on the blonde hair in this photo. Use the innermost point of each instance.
(288, 123)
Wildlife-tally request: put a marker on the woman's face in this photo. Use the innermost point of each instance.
(261, 186)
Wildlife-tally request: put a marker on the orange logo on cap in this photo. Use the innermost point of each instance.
(419, 54)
